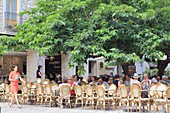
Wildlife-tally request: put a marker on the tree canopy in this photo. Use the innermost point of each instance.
(120, 30)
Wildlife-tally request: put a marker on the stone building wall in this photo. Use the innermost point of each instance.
(33, 60)
(1, 15)
(65, 70)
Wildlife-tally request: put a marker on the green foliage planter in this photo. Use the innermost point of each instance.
(152, 72)
(167, 72)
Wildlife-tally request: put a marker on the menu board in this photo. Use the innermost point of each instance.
(52, 66)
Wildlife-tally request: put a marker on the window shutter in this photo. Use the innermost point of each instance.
(7, 9)
(14, 9)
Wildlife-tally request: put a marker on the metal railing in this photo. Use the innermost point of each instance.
(11, 21)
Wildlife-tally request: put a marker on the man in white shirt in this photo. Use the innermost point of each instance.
(135, 80)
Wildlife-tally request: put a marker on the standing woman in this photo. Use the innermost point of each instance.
(14, 77)
(39, 73)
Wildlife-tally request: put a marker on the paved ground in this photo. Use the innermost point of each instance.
(42, 109)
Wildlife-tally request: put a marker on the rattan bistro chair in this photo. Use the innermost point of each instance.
(64, 92)
(55, 91)
(24, 96)
(124, 96)
(48, 94)
(89, 99)
(2, 91)
(39, 94)
(101, 96)
(135, 96)
(7, 94)
(79, 94)
(160, 97)
(167, 99)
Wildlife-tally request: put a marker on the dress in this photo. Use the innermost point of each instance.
(14, 84)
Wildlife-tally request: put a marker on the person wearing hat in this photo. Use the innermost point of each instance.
(135, 80)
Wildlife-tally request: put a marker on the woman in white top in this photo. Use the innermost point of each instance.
(146, 83)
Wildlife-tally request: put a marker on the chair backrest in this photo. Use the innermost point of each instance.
(2, 85)
(152, 90)
(65, 91)
(33, 88)
(39, 80)
(7, 89)
(168, 92)
(89, 90)
(39, 89)
(112, 89)
(78, 90)
(123, 91)
(161, 90)
(93, 86)
(54, 88)
(46, 81)
(83, 87)
(135, 91)
(47, 89)
(104, 86)
(100, 91)
(25, 89)
(29, 84)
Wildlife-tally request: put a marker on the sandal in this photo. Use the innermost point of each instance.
(10, 106)
(19, 106)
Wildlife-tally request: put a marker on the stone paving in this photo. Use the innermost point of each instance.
(43, 109)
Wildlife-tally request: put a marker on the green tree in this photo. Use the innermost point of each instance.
(121, 31)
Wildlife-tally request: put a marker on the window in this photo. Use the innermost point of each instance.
(11, 9)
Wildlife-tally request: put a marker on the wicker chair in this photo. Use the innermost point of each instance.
(32, 92)
(124, 96)
(40, 94)
(55, 92)
(160, 96)
(7, 93)
(101, 96)
(2, 91)
(48, 94)
(135, 96)
(24, 96)
(64, 92)
(89, 99)
(79, 94)
(167, 99)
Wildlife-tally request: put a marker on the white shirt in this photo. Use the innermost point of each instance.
(154, 80)
(134, 82)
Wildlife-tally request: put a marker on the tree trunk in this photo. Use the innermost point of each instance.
(162, 64)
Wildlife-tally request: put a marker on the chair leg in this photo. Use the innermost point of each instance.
(139, 107)
(128, 106)
(82, 103)
(154, 108)
(97, 104)
(86, 103)
(92, 104)
(104, 105)
(148, 106)
(70, 103)
(75, 104)
(119, 106)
